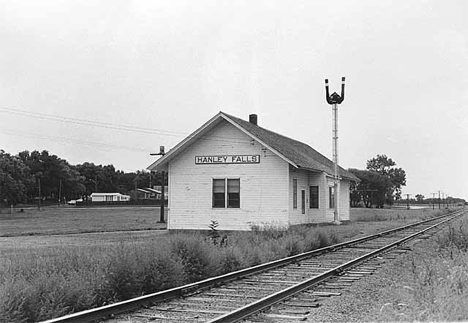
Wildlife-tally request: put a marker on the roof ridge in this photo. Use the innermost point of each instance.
(278, 134)
(304, 154)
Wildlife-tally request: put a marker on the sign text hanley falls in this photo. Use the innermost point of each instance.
(228, 159)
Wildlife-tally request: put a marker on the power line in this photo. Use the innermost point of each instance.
(109, 125)
(91, 122)
(90, 143)
(73, 141)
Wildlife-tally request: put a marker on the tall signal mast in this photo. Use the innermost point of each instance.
(334, 100)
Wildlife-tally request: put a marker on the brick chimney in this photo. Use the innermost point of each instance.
(253, 119)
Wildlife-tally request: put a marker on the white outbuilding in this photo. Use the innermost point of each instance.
(109, 197)
(242, 175)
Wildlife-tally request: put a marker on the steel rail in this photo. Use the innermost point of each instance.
(257, 306)
(145, 300)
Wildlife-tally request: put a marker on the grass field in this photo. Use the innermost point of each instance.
(66, 220)
(69, 220)
(54, 227)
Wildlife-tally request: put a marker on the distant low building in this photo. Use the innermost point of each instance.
(157, 189)
(109, 197)
(146, 193)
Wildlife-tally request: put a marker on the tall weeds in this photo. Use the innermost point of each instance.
(40, 285)
(436, 285)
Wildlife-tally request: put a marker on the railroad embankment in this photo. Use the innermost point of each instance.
(428, 284)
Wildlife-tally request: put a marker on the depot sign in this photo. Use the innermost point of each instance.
(228, 159)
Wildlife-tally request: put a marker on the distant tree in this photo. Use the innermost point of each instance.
(20, 176)
(371, 190)
(419, 198)
(108, 179)
(354, 194)
(395, 177)
(15, 177)
(125, 181)
(57, 176)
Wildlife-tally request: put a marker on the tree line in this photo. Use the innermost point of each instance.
(381, 183)
(28, 176)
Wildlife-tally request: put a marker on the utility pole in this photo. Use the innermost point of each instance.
(334, 100)
(439, 200)
(136, 188)
(95, 183)
(163, 175)
(40, 198)
(433, 198)
(2, 179)
(60, 193)
(407, 201)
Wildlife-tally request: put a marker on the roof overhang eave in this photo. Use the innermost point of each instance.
(163, 162)
(309, 169)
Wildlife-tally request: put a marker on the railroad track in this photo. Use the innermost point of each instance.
(239, 295)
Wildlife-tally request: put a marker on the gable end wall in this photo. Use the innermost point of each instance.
(263, 186)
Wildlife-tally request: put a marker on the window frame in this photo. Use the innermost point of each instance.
(216, 199)
(228, 200)
(228, 194)
(315, 197)
(331, 197)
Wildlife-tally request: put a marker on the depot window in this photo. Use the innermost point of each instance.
(226, 193)
(294, 193)
(314, 197)
(331, 197)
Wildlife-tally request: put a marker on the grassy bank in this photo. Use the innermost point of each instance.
(45, 284)
(431, 283)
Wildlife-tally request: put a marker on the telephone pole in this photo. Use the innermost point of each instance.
(407, 201)
(439, 200)
(1, 183)
(40, 198)
(334, 100)
(60, 192)
(163, 175)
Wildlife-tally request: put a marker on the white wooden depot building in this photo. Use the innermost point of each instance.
(240, 174)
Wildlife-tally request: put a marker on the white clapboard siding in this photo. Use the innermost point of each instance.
(343, 206)
(263, 186)
(306, 179)
(344, 201)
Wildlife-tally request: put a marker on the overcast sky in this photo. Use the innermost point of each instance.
(110, 81)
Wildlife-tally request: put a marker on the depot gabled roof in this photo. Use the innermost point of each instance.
(296, 153)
